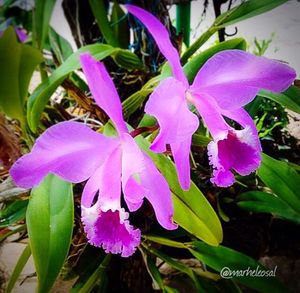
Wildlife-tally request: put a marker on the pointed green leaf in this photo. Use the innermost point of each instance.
(262, 202)
(175, 264)
(50, 225)
(282, 179)
(241, 12)
(99, 10)
(246, 10)
(120, 25)
(18, 268)
(60, 46)
(42, 15)
(18, 62)
(87, 284)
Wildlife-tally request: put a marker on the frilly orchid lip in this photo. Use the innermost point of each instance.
(225, 83)
(109, 164)
(111, 230)
(235, 151)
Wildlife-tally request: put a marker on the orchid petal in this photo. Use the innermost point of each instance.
(181, 154)
(233, 78)
(107, 181)
(140, 178)
(103, 90)
(132, 166)
(70, 150)
(110, 230)
(211, 114)
(168, 105)
(158, 194)
(244, 119)
(162, 39)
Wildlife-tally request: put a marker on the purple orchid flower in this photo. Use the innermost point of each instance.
(76, 153)
(227, 82)
(22, 34)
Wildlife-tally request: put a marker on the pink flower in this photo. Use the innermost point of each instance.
(76, 153)
(227, 82)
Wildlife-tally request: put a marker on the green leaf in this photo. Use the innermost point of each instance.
(94, 279)
(127, 59)
(193, 66)
(153, 270)
(18, 62)
(164, 241)
(59, 45)
(120, 25)
(14, 212)
(222, 257)
(282, 179)
(136, 100)
(41, 95)
(192, 210)
(100, 13)
(50, 224)
(200, 140)
(246, 10)
(42, 15)
(289, 99)
(18, 268)
(262, 202)
(175, 264)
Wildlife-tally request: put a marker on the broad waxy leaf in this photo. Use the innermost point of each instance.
(289, 99)
(18, 62)
(222, 257)
(42, 15)
(41, 95)
(262, 202)
(50, 218)
(282, 179)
